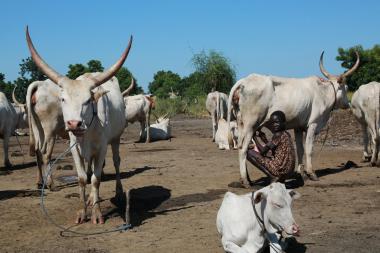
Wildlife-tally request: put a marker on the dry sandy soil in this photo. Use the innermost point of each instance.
(177, 188)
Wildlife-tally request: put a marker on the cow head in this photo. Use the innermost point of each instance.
(339, 82)
(21, 111)
(78, 98)
(277, 201)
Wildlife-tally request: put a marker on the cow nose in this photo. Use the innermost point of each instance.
(295, 229)
(74, 124)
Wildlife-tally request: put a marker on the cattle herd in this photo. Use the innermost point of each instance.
(91, 112)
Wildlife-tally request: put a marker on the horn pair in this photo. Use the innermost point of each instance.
(56, 77)
(345, 74)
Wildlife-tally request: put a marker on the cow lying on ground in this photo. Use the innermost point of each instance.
(221, 136)
(365, 106)
(11, 118)
(45, 124)
(161, 130)
(216, 105)
(244, 230)
(138, 108)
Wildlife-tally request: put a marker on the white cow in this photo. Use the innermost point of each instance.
(161, 130)
(221, 136)
(94, 114)
(306, 102)
(216, 105)
(245, 231)
(365, 107)
(138, 108)
(45, 124)
(11, 118)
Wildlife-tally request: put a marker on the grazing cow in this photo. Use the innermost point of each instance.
(161, 130)
(216, 105)
(247, 224)
(45, 124)
(306, 102)
(12, 117)
(138, 108)
(221, 136)
(365, 107)
(94, 114)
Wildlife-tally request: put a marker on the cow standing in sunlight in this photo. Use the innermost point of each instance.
(306, 102)
(94, 114)
(365, 106)
(12, 117)
(138, 108)
(216, 105)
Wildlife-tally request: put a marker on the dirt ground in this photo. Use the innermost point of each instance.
(177, 188)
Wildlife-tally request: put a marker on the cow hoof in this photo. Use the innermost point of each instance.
(8, 165)
(313, 177)
(96, 216)
(81, 216)
(373, 164)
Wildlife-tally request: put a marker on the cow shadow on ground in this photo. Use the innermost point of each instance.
(293, 246)
(126, 174)
(8, 170)
(8, 194)
(150, 201)
(344, 166)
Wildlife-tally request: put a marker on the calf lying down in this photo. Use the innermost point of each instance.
(221, 136)
(161, 130)
(244, 230)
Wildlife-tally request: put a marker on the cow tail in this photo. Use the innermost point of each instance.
(31, 118)
(377, 111)
(229, 110)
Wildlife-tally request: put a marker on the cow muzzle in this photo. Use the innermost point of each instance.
(75, 126)
(293, 230)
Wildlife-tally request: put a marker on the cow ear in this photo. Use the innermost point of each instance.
(294, 194)
(260, 195)
(98, 94)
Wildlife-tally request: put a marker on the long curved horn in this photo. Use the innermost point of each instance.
(109, 73)
(322, 68)
(48, 71)
(129, 89)
(356, 65)
(15, 99)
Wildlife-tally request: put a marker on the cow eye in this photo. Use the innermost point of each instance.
(62, 100)
(277, 205)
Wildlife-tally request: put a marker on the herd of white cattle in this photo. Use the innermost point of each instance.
(92, 112)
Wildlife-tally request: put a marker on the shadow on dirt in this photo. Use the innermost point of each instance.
(6, 171)
(329, 171)
(150, 201)
(293, 246)
(153, 150)
(8, 194)
(127, 174)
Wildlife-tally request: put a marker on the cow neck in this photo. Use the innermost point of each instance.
(335, 94)
(94, 113)
(262, 225)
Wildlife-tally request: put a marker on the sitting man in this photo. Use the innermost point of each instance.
(281, 163)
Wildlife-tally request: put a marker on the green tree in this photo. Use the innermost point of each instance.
(369, 68)
(76, 70)
(94, 66)
(164, 82)
(124, 77)
(217, 71)
(5, 87)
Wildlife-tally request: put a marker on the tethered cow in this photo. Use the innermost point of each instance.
(11, 118)
(94, 114)
(365, 107)
(306, 102)
(216, 105)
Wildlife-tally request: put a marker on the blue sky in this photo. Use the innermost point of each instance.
(283, 38)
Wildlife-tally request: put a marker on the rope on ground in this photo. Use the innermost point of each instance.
(121, 228)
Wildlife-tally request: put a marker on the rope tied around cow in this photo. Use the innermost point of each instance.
(121, 228)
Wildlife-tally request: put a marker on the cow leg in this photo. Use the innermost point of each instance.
(310, 135)
(147, 124)
(82, 180)
(366, 150)
(244, 138)
(142, 126)
(39, 171)
(375, 151)
(96, 214)
(214, 125)
(232, 247)
(116, 162)
(298, 133)
(7, 163)
(46, 159)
